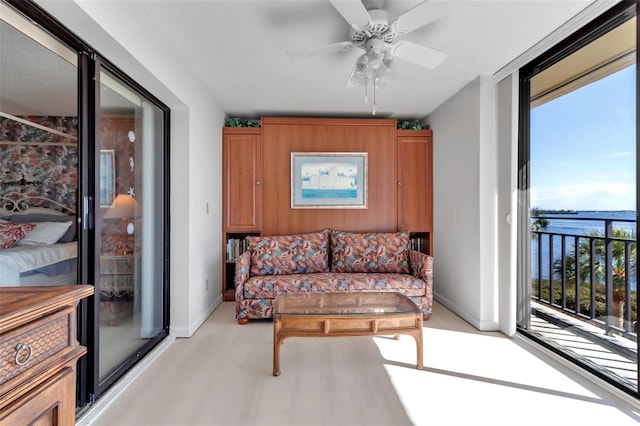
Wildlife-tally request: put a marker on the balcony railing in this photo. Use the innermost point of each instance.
(590, 276)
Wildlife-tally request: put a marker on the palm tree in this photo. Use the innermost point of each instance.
(539, 223)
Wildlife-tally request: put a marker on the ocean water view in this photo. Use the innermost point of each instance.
(329, 193)
(580, 223)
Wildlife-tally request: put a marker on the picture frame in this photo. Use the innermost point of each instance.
(107, 177)
(329, 180)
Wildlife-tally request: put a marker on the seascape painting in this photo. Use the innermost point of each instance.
(328, 180)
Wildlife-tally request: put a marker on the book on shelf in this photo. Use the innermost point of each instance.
(235, 247)
(415, 243)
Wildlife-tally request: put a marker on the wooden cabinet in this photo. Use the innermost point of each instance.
(242, 186)
(241, 192)
(38, 354)
(399, 182)
(415, 185)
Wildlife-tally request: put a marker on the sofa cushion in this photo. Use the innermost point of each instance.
(289, 254)
(269, 286)
(370, 252)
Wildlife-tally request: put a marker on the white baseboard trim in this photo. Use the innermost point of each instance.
(480, 325)
(195, 325)
(619, 394)
(92, 413)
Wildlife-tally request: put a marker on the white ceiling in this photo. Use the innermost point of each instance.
(238, 49)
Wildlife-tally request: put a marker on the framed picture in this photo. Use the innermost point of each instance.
(107, 177)
(328, 180)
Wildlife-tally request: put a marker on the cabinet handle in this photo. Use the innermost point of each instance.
(258, 183)
(20, 350)
(399, 183)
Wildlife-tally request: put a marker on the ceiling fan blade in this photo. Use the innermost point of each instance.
(320, 50)
(413, 19)
(354, 12)
(418, 54)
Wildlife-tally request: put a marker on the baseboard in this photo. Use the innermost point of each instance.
(109, 396)
(471, 319)
(196, 323)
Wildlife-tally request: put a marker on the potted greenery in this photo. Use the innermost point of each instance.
(239, 122)
(412, 125)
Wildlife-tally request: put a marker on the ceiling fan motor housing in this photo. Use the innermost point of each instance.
(379, 27)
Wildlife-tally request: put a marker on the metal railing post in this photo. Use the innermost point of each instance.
(608, 243)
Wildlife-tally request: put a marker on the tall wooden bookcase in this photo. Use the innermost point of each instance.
(242, 195)
(400, 181)
(415, 186)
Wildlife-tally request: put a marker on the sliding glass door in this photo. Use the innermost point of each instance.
(87, 145)
(130, 218)
(579, 151)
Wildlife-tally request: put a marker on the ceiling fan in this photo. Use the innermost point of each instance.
(376, 31)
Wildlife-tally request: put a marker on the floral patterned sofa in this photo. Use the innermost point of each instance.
(329, 261)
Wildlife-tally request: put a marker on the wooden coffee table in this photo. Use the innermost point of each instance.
(344, 314)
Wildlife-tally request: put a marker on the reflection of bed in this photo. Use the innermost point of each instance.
(53, 264)
(34, 260)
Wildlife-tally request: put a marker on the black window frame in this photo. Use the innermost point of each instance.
(89, 388)
(615, 16)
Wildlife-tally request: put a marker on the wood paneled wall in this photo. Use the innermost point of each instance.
(282, 136)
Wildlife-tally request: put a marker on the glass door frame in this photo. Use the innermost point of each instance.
(615, 16)
(100, 386)
(89, 387)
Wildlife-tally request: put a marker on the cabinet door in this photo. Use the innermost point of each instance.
(242, 186)
(415, 175)
(53, 403)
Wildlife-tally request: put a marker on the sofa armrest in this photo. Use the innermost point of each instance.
(421, 265)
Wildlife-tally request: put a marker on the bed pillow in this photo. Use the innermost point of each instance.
(45, 233)
(12, 232)
(68, 236)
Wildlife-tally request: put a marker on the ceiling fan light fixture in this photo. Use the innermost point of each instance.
(376, 31)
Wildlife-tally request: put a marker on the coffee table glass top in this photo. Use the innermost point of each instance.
(318, 303)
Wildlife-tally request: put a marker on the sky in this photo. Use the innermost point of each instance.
(583, 147)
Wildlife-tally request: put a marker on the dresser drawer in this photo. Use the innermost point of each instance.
(35, 345)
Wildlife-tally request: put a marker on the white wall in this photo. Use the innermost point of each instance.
(465, 203)
(128, 38)
(507, 140)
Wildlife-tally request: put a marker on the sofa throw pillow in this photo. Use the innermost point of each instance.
(370, 252)
(289, 254)
(12, 232)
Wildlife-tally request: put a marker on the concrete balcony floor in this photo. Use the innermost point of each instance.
(614, 354)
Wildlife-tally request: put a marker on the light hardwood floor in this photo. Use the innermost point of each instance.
(223, 376)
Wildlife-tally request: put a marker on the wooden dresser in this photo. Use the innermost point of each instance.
(38, 354)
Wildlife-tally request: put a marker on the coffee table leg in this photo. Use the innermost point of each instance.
(419, 349)
(276, 346)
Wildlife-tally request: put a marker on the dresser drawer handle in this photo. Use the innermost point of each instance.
(23, 351)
